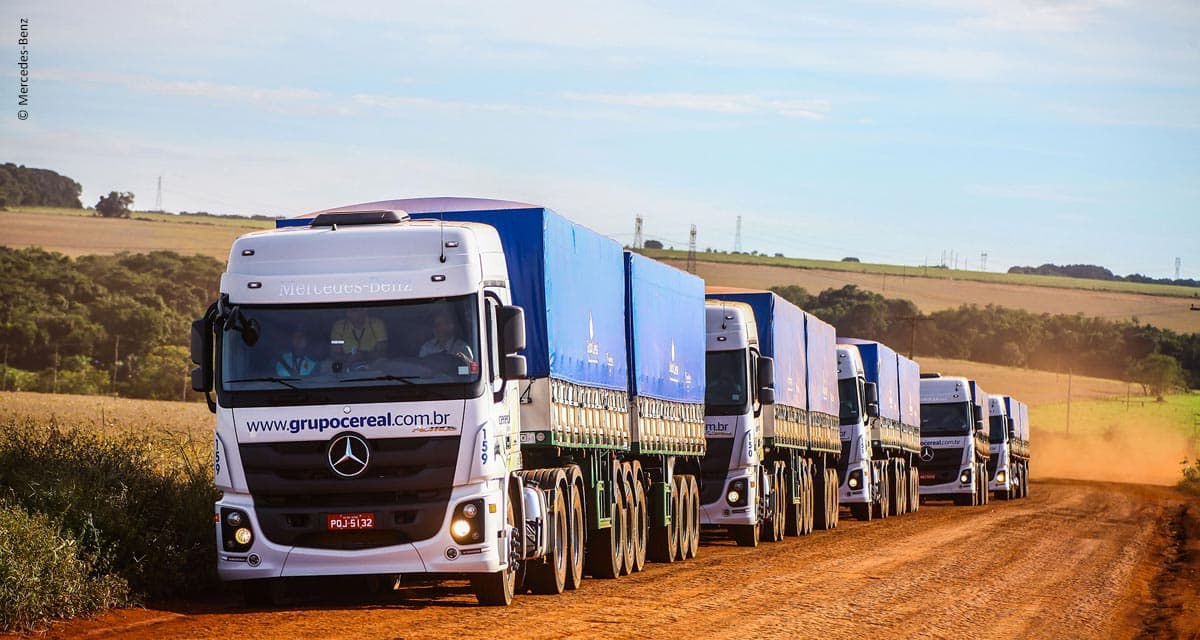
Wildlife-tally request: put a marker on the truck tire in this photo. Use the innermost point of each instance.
(575, 533)
(694, 517)
(497, 589)
(795, 510)
(605, 548)
(745, 535)
(664, 541)
(770, 524)
(895, 492)
(983, 483)
(683, 513)
(630, 524)
(549, 577)
(885, 492)
(914, 490)
(834, 509)
(810, 498)
(642, 530)
(821, 507)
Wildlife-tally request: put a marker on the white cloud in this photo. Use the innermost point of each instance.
(719, 103)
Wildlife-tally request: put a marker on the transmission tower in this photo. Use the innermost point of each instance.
(637, 232)
(737, 237)
(158, 197)
(983, 261)
(691, 260)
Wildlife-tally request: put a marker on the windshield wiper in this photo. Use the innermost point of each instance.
(404, 379)
(287, 382)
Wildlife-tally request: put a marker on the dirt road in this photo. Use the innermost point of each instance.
(1075, 560)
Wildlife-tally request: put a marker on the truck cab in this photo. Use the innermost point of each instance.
(859, 404)
(345, 443)
(738, 385)
(1000, 474)
(954, 440)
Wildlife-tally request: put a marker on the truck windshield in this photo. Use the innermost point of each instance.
(343, 346)
(999, 429)
(951, 419)
(848, 392)
(726, 383)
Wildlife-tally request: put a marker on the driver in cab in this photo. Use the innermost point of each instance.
(445, 339)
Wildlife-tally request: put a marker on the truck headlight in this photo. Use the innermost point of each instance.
(854, 480)
(243, 536)
(736, 495)
(965, 476)
(466, 525)
(1001, 476)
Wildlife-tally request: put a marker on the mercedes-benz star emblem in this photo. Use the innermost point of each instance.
(348, 455)
(926, 453)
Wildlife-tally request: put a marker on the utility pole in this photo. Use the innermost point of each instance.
(912, 341)
(983, 261)
(737, 237)
(158, 197)
(1177, 268)
(691, 259)
(637, 233)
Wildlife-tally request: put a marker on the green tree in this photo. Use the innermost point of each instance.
(115, 205)
(1158, 374)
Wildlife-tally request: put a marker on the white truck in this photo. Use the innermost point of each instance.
(770, 469)
(880, 429)
(1008, 467)
(446, 387)
(954, 440)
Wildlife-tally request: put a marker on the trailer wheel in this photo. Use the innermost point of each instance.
(914, 489)
(794, 510)
(575, 536)
(549, 577)
(664, 541)
(693, 516)
(810, 498)
(496, 589)
(605, 549)
(822, 509)
(630, 523)
(770, 523)
(834, 509)
(894, 488)
(881, 504)
(642, 514)
(682, 513)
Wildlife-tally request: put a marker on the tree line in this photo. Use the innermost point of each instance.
(1158, 359)
(1095, 272)
(101, 324)
(25, 186)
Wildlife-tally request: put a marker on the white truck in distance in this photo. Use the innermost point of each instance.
(1008, 467)
(880, 429)
(954, 440)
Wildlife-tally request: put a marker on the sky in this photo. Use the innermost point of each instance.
(895, 132)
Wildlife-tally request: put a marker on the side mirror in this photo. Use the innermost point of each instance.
(871, 390)
(514, 367)
(202, 355)
(766, 372)
(872, 409)
(977, 413)
(766, 396)
(511, 321)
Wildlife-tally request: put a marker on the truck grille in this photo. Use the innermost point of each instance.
(991, 466)
(714, 467)
(406, 485)
(944, 466)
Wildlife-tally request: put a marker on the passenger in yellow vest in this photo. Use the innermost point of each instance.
(297, 362)
(358, 338)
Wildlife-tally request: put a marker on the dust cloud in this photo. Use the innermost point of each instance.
(1116, 455)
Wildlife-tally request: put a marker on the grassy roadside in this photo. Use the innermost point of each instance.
(100, 513)
(1060, 282)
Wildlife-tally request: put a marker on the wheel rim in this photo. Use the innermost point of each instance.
(575, 542)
